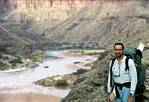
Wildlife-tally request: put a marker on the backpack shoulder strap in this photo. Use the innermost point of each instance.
(112, 62)
(126, 63)
(111, 70)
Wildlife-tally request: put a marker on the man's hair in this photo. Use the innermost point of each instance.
(119, 44)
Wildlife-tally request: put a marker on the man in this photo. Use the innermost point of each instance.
(124, 81)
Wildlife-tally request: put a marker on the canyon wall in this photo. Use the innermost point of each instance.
(43, 10)
(40, 10)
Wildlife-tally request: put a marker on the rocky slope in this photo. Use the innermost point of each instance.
(19, 42)
(102, 24)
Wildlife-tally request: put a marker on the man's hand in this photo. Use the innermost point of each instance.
(109, 100)
(130, 99)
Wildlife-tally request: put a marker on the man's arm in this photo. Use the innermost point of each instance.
(108, 85)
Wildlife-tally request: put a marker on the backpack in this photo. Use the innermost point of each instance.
(136, 55)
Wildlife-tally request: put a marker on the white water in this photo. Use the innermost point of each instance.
(22, 81)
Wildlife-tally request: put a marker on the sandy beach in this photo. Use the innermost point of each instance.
(28, 97)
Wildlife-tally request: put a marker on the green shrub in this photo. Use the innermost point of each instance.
(80, 71)
(61, 83)
(15, 61)
(1, 56)
(3, 66)
(36, 57)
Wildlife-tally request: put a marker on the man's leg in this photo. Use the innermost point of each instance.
(125, 94)
(120, 95)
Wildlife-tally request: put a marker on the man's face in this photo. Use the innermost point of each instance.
(118, 50)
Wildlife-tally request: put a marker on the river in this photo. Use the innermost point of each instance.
(18, 85)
